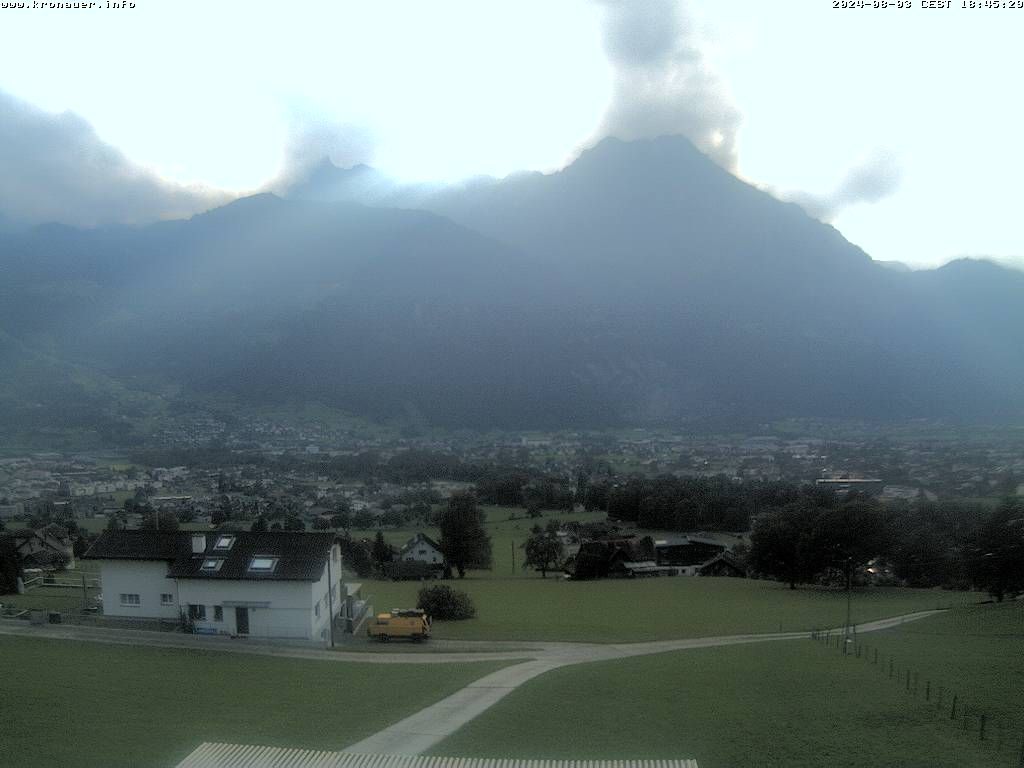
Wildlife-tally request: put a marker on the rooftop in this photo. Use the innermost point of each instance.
(266, 555)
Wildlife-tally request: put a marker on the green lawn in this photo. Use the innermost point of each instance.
(791, 704)
(653, 609)
(97, 705)
(58, 598)
(976, 652)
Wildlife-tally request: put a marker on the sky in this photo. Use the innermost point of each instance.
(901, 127)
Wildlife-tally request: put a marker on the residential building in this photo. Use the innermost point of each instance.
(423, 549)
(274, 584)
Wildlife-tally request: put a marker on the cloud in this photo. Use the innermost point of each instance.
(55, 168)
(662, 82)
(873, 178)
(311, 141)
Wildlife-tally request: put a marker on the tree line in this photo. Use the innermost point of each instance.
(822, 538)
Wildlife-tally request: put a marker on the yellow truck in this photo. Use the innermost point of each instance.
(400, 622)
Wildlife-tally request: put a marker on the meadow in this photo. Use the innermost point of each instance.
(796, 703)
(87, 704)
(631, 610)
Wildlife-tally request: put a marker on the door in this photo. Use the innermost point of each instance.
(241, 621)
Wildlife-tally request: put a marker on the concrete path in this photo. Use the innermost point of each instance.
(438, 652)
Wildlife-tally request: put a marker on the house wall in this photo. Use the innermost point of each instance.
(145, 578)
(286, 613)
(428, 555)
(318, 595)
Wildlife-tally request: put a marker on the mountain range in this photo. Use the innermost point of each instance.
(642, 284)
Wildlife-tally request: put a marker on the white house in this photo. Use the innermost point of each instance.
(274, 584)
(422, 549)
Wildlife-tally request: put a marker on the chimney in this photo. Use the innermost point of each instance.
(198, 543)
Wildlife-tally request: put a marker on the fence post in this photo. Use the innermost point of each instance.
(942, 689)
(927, 690)
(890, 667)
(952, 711)
(908, 680)
(981, 729)
(915, 683)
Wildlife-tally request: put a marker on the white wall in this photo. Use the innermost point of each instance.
(318, 594)
(429, 555)
(145, 578)
(287, 614)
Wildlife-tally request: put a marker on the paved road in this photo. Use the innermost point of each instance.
(429, 726)
(442, 651)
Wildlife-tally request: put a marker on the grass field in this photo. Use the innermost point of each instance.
(58, 598)
(976, 652)
(96, 705)
(616, 610)
(795, 704)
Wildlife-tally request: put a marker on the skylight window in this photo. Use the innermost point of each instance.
(211, 564)
(224, 542)
(262, 564)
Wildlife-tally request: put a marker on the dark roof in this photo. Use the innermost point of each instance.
(139, 545)
(300, 556)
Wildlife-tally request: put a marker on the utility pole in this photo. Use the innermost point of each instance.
(847, 629)
(513, 557)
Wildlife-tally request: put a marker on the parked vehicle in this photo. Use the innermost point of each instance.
(412, 623)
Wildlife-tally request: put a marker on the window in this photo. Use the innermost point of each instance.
(224, 542)
(197, 612)
(263, 564)
(316, 610)
(166, 599)
(218, 613)
(212, 564)
(130, 599)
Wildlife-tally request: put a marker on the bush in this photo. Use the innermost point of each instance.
(443, 602)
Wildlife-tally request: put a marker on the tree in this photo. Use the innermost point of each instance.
(785, 543)
(114, 523)
(342, 520)
(150, 522)
(544, 550)
(464, 541)
(355, 557)
(167, 521)
(382, 552)
(996, 562)
(294, 523)
(321, 524)
(363, 519)
(10, 566)
(259, 524)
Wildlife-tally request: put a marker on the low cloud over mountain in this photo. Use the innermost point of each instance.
(55, 168)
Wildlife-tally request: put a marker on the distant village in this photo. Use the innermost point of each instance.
(294, 475)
